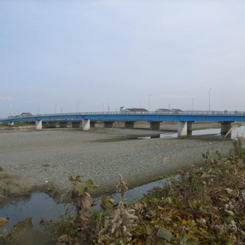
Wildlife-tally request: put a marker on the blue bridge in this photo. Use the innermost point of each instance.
(88, 119)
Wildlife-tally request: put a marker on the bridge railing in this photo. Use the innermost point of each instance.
(204, 113)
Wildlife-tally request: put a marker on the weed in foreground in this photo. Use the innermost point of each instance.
(75, 226)
(119, 224)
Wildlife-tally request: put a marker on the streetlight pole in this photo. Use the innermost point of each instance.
(193, 104)
(108, 107)
(209, 98)
(149, 102)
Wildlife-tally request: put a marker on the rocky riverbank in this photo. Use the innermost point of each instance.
(43, 160)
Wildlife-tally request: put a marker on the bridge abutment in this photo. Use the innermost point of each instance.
(182, 129)
(129, 124)
(108, 124)
(225, 127)
(86, 124)
(39, 125)
(154, 125)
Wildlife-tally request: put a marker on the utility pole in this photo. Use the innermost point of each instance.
(108, 106)
(149, 102)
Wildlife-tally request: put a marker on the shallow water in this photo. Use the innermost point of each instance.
(211, 131)
(40, 205)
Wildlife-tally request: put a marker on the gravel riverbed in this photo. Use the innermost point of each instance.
(38, 160)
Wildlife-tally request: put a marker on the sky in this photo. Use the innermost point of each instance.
(97, 55)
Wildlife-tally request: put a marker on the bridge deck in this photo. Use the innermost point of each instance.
(212, 117)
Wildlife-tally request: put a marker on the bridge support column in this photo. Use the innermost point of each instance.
(182, 129)
(63, 124)
(75, 124)
(92, 124)
(86, 124)
(225, 127)
(154, 125)
(129, 124)
(108, 124)
(39, 125)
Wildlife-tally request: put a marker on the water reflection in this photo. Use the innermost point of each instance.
(40, 205)
(238, 131)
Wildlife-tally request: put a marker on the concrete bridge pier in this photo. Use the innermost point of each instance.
(108, 124)
(86, 124)
(129, 124)
(182, 129)
(75, 124)
(39, 124)
(154, 125)
(63, 124)
(225, 127)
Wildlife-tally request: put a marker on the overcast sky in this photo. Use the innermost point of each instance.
(88, 55)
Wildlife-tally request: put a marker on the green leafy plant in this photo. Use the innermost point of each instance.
(237, 143)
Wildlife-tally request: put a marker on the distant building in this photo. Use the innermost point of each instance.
(176, 111)
(25, 114)
(133, 110)
(161, 110)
